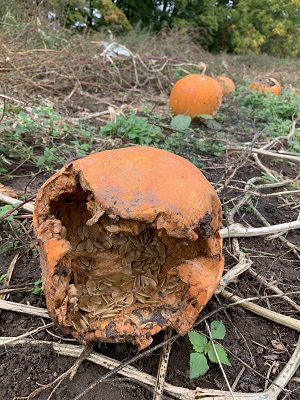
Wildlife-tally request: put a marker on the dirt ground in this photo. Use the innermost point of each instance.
(258, 348)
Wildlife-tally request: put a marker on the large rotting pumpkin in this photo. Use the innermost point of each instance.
(129, 244)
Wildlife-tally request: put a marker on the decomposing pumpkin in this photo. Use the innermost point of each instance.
(226, 83)
(129, 244)
(267, 85)
(196, 94)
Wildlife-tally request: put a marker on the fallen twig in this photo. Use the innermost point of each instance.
(23, 308)
(263, 312)
(238, 230)
(20, 204)
(274, 289)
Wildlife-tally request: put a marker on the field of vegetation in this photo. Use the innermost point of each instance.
(64, 95)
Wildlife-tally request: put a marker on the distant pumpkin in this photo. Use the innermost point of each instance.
(267, 85)
(196, 94)
(226, 83)
(129, 244)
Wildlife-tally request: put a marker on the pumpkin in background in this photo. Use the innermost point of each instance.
(267, 85)
(226, 83)
(196, 94)
(129, 244)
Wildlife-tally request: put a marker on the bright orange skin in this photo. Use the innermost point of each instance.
(143, 184)
(196, 94)
(227, 84)
(276, 89)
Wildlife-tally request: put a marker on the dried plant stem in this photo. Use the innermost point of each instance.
(23, 308)
(238, 230)
(17, 339)
(263, 312)
(274, 289)
(288, 157)
(162, 368)
(263, 167)
(220, 364)
(7, 279)
(24, 204)
(295, 249)
(20, 289)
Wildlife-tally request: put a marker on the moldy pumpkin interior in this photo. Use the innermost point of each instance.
(129, 244)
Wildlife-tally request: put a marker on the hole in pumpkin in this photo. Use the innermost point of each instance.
(121, 267)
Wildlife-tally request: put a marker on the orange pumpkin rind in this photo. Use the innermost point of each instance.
(121, 199)
(267, 85)
(196, 94)
(226, 83)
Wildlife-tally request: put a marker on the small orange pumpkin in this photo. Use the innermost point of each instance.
(129, 244)
(267, 85)
(196, 94)
(226, 83)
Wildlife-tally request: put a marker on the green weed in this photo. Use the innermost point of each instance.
(5, 209)
(135, 129)
(205, 350)
(37, 288)
(38, 135)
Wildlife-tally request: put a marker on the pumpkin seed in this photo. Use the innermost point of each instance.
(118, 240)
(145, 237)
(80, 233)
(107, 243)
(107, 299)
(112, 228)
(95, 300)
(83, 324)
(140, 298)
(110, 314)
(84, 303)
(89, 246)
(126, 286)
(129, 300)
(130, 256)
(63, 233)
(81, 246)
(86, 231)
(99, 309)
(170, 285)
(151, 251)
(85, 261)
(137, 281)
(91, 286)
(147, 280)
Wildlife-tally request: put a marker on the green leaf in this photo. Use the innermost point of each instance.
(198, 365)
(221, 354)
(2, 277)
(205, 116)
(5, 209)
(198, 341)
(217, 329)
(212, 124)
(181, 122)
